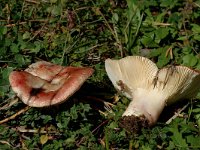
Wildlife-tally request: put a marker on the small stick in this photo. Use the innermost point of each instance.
(177, 114)
(161, 24)
(197, 4)
(100, 100)
(7, 100)
(23, 130)
(12, 25)
(15, 115)
(5, 142)
(85, 137)
(12, 102)
(103, 113)
(31, 1)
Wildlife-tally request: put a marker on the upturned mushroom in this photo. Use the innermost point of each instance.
(149, 88)
(44, 84)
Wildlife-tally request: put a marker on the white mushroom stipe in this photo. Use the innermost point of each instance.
(150, 88)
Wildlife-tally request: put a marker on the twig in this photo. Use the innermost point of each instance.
(23, 130)
(12, 102)
(14, 24)
(6, 100)
(161, 24)
(36, 33)
(82, 8)
(31, 1)
(100, 100)
(104, 122)
(177, 114)
(33, 20)
(197, 4)
(103, 113)
(5, 142)
(84, 138)
(21, 23)
(15, 115)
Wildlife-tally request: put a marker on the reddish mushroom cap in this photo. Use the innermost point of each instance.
(45, 84)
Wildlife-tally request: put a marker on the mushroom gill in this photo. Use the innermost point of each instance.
(149, 88)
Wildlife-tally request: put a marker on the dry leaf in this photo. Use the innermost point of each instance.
(44, 139)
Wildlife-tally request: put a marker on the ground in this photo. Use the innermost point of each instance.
(85, 33)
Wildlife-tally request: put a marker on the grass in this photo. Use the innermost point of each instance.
(85, 33)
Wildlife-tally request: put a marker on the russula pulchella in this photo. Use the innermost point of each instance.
(45, 84)
(149, 88)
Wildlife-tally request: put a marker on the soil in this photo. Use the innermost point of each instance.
(134, 124)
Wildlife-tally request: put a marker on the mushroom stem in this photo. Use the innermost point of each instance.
(146, 103)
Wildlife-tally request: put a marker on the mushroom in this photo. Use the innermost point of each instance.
(44, 84)
(149, 88)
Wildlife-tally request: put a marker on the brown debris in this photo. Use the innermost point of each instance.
(134, 124)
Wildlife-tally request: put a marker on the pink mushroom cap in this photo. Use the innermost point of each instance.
(45, 84)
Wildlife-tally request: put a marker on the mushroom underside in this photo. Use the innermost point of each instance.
(149, 88)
